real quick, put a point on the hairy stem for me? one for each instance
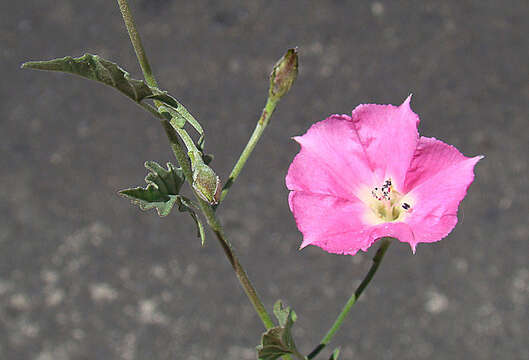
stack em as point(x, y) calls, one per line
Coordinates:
point(377, 259)
point(136, 43)
point(183, 160)
point(256, 135)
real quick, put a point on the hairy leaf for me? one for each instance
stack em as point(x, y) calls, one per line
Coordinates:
point(184, 204)
point(96, 68)
point(282, 313)
point(162, 188)
point(162, 193)
point(278, 341)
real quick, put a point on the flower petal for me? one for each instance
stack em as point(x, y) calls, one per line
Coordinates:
point(331, 160)
point(389, 137)
point(335, 224)
point(437, 180)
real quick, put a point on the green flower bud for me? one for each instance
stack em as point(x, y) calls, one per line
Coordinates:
point(206, 183)
point(284, 73)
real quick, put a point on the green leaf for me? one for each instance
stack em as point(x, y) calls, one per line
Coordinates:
point(169, 181)
point(335, 354)
point(282, 313)
point(177, 114)
point(278, 340)
point(162, 193)
point(150, 198)
point(184, 204)
point(96, 68)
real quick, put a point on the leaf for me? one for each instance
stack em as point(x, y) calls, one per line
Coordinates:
point(184, 204)
point(278, 340)
point(150, 198)
point(96, 68)
point(178, 114)
point(335, 354)
point(162, 193)
point(169, 181)
point(282, 313)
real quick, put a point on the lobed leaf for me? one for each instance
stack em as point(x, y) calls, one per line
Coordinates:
point(282, 313)
point(162, 193)
point(278, 340)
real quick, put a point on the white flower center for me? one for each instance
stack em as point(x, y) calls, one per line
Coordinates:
point(387, 203)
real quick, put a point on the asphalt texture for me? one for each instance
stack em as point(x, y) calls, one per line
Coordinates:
point(85, 275)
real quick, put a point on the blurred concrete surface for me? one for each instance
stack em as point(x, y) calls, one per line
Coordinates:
point(85, 275)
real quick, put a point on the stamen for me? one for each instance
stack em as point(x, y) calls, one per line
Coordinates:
point(388, 205)
point(383, 192)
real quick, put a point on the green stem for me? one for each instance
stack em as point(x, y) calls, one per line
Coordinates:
point(269, 108)
point(354, 297)
point(183, 160)
point(250, 291)
point(215, 225)
point(136, 42)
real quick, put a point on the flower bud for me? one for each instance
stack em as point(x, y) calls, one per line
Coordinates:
point(206, 183)
point(284, 73)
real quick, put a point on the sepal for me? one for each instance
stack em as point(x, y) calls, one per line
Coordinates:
point(284, 74)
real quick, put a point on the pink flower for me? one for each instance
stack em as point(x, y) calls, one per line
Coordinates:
point(363, 177)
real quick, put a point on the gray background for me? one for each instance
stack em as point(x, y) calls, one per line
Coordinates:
point(84, 275)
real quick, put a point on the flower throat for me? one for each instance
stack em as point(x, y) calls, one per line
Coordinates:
point(387, 204)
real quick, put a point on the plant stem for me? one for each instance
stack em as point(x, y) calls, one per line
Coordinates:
point(237, 267)
point(269, 108)
point(183, 160)
point(377, 259)
point(136, 42)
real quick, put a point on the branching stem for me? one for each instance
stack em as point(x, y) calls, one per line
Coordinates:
point(183, 160)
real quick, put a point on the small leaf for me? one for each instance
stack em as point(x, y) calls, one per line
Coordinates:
point(162, 193)
point(150, 198)
point(335, 354)
point(282, 313)
point(170, 180)
point(278, 341)
point(184, 204)
point(177, 114)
